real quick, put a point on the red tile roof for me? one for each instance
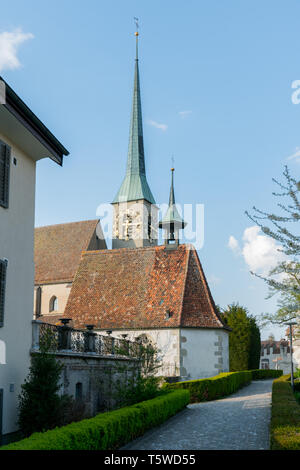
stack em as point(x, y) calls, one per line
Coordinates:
point(136, 288)
point(53, 318)
point(57, 249)
point(275, 345)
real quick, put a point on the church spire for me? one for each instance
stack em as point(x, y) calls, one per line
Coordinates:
point(172, 221)
point(135, 185)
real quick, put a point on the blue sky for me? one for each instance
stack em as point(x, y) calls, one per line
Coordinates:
point(216, 84)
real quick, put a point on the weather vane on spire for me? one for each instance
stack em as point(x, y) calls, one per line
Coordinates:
point(173, 160)
point(136, 20)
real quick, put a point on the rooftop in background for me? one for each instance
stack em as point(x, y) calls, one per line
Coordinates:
point(275, 345)
point(57, 249)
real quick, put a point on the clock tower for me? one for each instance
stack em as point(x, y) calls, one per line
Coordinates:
point(135, 222)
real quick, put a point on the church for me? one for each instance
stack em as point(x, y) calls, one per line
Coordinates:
point(137, 287)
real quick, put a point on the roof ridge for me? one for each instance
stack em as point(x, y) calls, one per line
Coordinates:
point(67, 223)
point(185, 279)
point(207, 289)
point(132, 250)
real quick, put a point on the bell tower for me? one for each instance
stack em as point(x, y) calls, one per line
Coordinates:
point(172, 221)
point(135, 221)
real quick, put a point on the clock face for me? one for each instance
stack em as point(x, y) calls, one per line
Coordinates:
point(131, 224)
point(135, 222)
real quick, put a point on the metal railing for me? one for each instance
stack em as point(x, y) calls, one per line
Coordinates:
point(64, 338)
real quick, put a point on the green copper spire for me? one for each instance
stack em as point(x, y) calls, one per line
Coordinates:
point(135, 185)
point(172, 219)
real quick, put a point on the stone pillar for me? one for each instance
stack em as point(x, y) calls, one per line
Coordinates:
point(89, 343)
point(64, 335)
point(36, 335)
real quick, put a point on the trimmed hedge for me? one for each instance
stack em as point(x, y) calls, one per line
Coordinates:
point(285, 420)
point(258, 374)
point(213, 387)
point(107, 431)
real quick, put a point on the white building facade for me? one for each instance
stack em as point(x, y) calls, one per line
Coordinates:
point(23, 141)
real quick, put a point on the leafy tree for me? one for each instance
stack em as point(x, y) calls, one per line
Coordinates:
point(255, 345)
point(284, 279)
point(244, 339)
point(40, 406)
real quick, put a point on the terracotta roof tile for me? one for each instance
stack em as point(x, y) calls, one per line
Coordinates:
point(52, 318)
point(140, 288)
point(57, 250)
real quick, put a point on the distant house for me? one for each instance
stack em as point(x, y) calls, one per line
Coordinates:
point(57, 253)
point(24, 140)
point(275, 355)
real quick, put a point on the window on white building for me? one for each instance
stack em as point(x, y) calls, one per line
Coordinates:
point(3, 269)
point(4, 174)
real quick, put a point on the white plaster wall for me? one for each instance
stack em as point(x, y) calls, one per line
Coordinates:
point(204, 352)
point(61, 291)
point(167, 341)
point(16, 244)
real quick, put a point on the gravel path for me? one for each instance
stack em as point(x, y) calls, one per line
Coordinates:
point(239, 422)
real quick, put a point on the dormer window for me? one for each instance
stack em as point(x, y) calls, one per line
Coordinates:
point(168, 314)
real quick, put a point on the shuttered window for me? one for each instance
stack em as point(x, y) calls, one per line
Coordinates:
point(4, 174)
point(1, 413)
point(3, 269)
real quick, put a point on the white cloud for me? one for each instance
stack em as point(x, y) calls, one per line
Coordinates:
point(260, 252)
point(163, 127)
point(184, 114)
point(295, 156)
point(9, 44)
point(233, 244)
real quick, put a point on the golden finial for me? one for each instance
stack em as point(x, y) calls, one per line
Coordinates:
point(172, 169)
point(136, 33)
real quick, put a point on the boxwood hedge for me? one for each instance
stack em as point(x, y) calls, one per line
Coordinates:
point(285, 418)
point(107, 431)
point(258, 374)
point(213, 387)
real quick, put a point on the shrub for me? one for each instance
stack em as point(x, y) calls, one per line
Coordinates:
point(213, 387)
point(285, 419)
point(142, 382)
point(297, 373)
point(40, 406)
point(258, 374)
point(109, 430)
point(297, 385)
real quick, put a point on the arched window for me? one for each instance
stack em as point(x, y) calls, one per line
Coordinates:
point(53, 305)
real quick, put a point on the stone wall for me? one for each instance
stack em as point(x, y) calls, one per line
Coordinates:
point(93, 378)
